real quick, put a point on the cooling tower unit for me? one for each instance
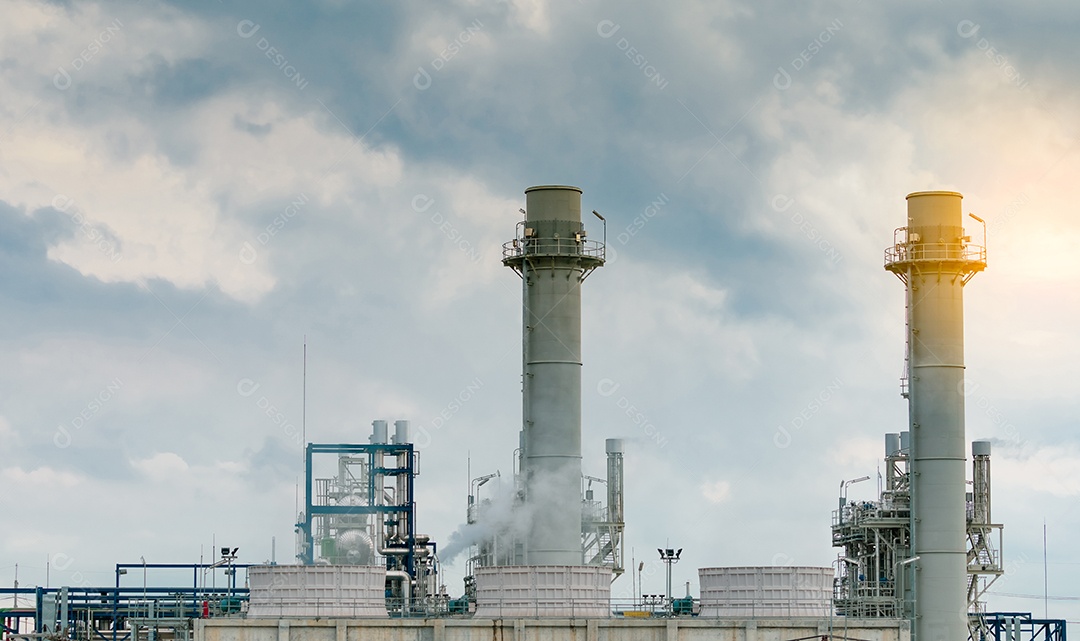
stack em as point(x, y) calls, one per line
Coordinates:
point(543, 591)
point(309, 591)
point(771, 591)
point(935, 259)
point(553, 258)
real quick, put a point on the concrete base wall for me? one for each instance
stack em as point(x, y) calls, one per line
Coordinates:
point(609, 629)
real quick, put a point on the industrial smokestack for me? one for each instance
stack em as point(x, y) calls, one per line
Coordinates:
point(552, 256)
point(934, 259)
point(980, 482)
point(614, 447)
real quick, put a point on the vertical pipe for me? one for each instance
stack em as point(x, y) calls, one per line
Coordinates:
point(667, 593)
point(115, 604)
point(615, 503)
point(410, 489)
point(935, 261)
point(309, 551)
point(62, 596)
point(405, 526)
point(1046, 578)
point(378, 432)
point(402, 432)
point(980, 483)
point(614, 447)
point(892, 451)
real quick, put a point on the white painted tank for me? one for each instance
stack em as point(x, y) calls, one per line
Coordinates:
point(565, 591)
point(768, 591)
point(317, 591)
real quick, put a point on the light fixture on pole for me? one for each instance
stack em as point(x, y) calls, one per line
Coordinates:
point(844, 579)
point(640, 567)
point(143, 559)
point(228, 555)
point(843, 492)
point(669, 556)
point(837, 562)
point(603, 220)
point(899, 586)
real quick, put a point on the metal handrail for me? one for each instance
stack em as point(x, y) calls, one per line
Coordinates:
point(935, 252)
point(520, 247)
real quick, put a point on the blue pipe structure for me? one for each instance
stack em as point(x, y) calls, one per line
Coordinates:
point(115, 604)
point(1002, 624)
point(406, 506)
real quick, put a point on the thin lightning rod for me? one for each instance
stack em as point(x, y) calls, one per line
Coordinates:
point(303, 411)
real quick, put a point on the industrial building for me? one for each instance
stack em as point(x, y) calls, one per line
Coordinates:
point(914, 564)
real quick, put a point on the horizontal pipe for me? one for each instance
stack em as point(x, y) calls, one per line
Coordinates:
point(406, 583)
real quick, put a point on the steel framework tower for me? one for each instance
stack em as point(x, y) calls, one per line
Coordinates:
point(553, 258)
point(935, 259)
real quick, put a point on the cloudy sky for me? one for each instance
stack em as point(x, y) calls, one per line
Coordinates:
point(187, 190)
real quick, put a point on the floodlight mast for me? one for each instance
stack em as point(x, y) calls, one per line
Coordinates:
point(669, 556)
